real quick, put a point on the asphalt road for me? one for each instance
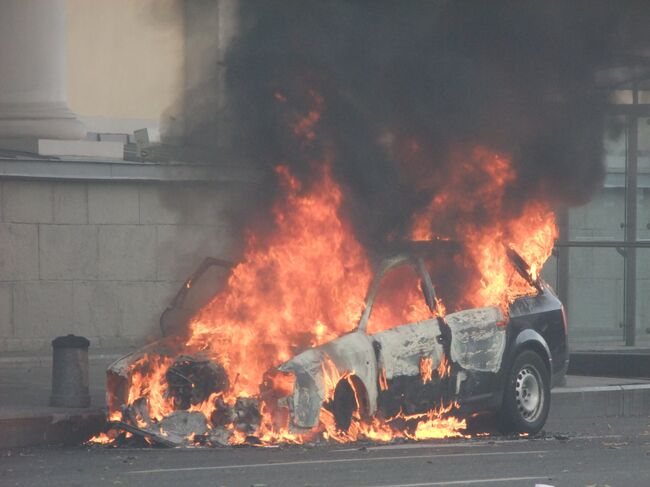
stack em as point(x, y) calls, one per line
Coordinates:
point(613, 452)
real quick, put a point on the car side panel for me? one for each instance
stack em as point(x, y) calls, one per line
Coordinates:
point(351, 353)
point(402, 348)
point(401, 351)
point(535, 322)
point(542, 314)
point(477, 343)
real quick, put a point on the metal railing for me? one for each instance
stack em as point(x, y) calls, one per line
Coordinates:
point(627, 250)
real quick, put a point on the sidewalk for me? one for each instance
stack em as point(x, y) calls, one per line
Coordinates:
point(25, 387)
point(596, 397)
point(25, 418)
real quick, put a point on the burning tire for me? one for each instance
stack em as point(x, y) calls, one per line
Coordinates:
point(527, 396)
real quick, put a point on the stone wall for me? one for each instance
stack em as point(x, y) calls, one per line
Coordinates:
point(102, 259)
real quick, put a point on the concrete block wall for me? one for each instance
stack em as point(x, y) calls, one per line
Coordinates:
point(102, 259)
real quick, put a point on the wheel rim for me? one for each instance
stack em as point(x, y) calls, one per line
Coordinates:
point(529, 393)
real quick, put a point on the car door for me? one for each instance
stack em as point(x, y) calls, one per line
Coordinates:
point(478, 338)
point(405, 335)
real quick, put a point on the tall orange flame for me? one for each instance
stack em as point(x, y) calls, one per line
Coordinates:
point(475, 192)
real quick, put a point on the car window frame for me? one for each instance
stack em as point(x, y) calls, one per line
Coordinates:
point(428, 290)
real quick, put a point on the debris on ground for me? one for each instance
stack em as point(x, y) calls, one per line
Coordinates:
point(182, 425)
point(248, 414)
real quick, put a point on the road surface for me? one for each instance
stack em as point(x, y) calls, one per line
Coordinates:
point(614, 452)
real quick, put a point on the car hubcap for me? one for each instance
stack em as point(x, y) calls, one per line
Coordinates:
point(529, 393)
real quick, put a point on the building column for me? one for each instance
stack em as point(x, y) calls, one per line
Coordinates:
point(33, 71)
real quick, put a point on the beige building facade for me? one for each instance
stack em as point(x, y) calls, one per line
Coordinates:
point(97, 245)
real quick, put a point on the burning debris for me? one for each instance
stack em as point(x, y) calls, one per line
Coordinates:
point(191, 381)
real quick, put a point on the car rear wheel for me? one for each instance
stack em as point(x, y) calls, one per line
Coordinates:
point(350, 401)
point(344, 405)
point(527, 396)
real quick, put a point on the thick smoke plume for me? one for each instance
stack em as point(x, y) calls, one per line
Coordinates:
point(394, 93)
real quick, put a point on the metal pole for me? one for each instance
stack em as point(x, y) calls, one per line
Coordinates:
point(630, 224)
point(563, 258)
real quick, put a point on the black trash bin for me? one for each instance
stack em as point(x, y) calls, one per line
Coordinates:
point(70, 372)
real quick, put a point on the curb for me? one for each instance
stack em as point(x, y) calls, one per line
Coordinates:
point(601, 401)
point(48, 428)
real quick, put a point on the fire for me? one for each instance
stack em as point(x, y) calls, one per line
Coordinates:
point(475, 194)
point(148, 381)
point(301, 286)
point(444, 367)
point(304, 282)
point(426, 369)
point(436, 423)
point(101, 439)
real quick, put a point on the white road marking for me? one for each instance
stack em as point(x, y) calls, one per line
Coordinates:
point(464, 482)
point(598, 437)
point(468, 444)
point(412, 446)
point(338, 460)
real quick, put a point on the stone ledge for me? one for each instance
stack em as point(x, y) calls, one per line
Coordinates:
point(24, 166)
point(54, 147)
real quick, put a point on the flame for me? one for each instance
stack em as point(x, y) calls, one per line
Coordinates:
point(398, 301)
point(435, 423)
point(476, 194)
point(426, 369)
point(147, 379)
point(303, 284)
point(444, 367)
point(101, 439)
point(300, 287)
point(383, 382)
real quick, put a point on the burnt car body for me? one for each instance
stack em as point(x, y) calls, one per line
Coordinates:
point(495, 364)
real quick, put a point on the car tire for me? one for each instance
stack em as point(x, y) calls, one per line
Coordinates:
point(527, 395)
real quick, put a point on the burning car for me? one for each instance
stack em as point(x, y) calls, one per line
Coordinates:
point(406, 362)
point(479, 358)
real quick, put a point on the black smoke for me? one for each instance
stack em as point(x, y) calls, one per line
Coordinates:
point(406, 84)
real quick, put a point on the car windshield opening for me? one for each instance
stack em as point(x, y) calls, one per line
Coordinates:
point(399, 300)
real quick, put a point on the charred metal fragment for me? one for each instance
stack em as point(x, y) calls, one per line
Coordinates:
point(137, 413)
point(143, 433)
point(248, 414)
point(191, 380)
point(181, 425)
point(223, 414)
point(215, 437)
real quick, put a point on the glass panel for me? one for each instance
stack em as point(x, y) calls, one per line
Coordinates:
point(643, 234)
point(595, 307)
point(642, 301)
point(643, 181)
